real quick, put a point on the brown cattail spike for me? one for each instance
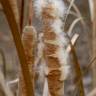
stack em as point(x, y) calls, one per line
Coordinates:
point(29, 43)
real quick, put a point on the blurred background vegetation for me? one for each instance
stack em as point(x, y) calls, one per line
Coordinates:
point(85, 46)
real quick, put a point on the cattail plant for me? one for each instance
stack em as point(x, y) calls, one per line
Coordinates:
point(55, 43)
point(16, 36)
point(29, 43)
point(22, 11)
point(51, 52)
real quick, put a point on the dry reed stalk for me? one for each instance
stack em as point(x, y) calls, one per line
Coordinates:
point(78, 13)
point(78, 73)
point(68, 10)
point(30, 12)
point(91, 8)
point(75, 59)
point(14, 7)
point(79, 78)
point(70, 30)
point(87, 69)
point(73, 41)
point(73, 13)
point(29, 43)
point(17, 39)
point(21, 15)
point(26, 13)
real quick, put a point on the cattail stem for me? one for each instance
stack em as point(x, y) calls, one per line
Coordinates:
point(17, 39)
point(30, 12)
point(14, 7)
point(29, 44)
point(21, 15)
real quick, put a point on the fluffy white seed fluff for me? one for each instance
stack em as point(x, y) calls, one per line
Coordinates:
point(38, 4)
point(41, 71)
point(40, 64)
point(58, 10)
point(57, 26)
point(40, 46)
point(62, 42)
point(58, 6)
point(46, 89)
point(63, 56)
point(64, 72)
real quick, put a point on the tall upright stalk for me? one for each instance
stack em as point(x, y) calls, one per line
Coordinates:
point(15, 9)
point(17, 39)
point(21, 19)
point(29, 43)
